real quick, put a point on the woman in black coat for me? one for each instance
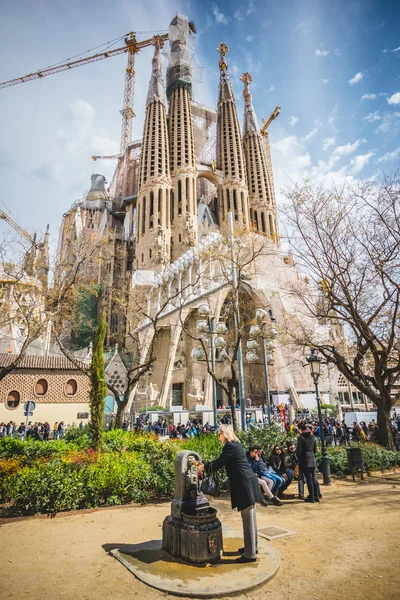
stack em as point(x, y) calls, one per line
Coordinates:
point(306, 450)
point(245, 491)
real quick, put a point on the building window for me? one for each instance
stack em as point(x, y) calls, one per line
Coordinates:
point(13, 400)
point(179, 197)
point(41, 387)
point(172, 206)
point(180, 237)
point(114, 323)
point(144, 215)
point(263, 222)
point(71, 387)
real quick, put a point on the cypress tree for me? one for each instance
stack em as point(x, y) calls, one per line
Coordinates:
point(98, 388)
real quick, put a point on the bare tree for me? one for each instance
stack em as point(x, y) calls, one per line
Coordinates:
point(234, 262)
point(348, 244)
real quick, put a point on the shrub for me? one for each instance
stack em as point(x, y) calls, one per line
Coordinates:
point(47, 488)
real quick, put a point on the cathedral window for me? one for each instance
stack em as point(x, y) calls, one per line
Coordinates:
point(263, 222)
point(172, 206)
point(144, 215)
point(256, 219)
point(179, 197)
point(271, 225)
point(151, 210)
point(228, 200)
point(150, 253)
point(159, 199)
point(187, 195)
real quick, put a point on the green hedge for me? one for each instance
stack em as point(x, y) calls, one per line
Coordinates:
point(61, 475)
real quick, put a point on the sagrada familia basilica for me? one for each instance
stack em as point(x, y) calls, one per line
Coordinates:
point(195, 186)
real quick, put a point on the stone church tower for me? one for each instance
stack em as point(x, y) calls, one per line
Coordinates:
point(181, 139)
point(263, 213)
point(153, 233)
point(233, 193)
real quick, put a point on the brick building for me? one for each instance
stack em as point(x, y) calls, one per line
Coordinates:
point(59, 389)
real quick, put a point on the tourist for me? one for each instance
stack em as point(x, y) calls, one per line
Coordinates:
point(276, 461)
point(46, 431)
point(265, 484)
point(268, 472)
point(61, 429)
point(290, 462)
point(244, 488)
point(55, 431)
point(305, 451)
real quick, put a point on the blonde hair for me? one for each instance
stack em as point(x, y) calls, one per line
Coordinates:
point(228, 433)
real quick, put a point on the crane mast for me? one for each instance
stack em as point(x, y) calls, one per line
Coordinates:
point(263, 131)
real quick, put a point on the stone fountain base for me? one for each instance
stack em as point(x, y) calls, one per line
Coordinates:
point(155, 567)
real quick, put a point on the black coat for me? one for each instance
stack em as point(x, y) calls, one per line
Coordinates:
point(306, 449)
point(245, 490)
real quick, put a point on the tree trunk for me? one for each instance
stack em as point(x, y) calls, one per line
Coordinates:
point(385, 432)
point(121, 405)
point(232, 402)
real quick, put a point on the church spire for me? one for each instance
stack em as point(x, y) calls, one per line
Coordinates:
point(263, 214)
point(153, 233)
point(232, 194)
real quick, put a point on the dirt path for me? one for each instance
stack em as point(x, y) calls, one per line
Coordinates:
point(348, 546)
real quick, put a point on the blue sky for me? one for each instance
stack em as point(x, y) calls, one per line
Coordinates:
point(333, 67)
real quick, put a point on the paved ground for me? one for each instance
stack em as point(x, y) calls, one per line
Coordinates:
point(346, 547)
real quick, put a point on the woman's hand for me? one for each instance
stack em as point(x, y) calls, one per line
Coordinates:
point(200, 469)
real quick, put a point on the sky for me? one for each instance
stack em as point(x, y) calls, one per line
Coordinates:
point(333, 67)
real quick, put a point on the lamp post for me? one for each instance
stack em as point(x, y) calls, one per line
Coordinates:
point(149, 373)
point(267, 335)
point(207, 326)
point(236, 316)
point(315, 368)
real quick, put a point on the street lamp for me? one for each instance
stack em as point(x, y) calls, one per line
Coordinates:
point(206, 326)
point(267, 335)
point(149, 373)
point(315, 368)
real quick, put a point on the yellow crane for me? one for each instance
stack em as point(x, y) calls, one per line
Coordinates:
point(272, 117)
point(31, 239)
point(132, 47)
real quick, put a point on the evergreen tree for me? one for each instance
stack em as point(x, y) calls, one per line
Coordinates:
point(98, 388)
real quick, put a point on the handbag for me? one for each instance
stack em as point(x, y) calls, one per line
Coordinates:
point(210, 485)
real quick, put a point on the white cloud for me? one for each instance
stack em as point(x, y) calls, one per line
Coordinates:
point(394, 50)
point(293, 120)
point(357, 77)
point(328, 142)
point(389, 156)
point(104, 145)
point(359, 162)
point(77, 121)
point(347, 148)
point(271, 88)
point(266, 23)
point(325, 81)
point(389, 123)
point(372, 117)
point(249, 38)
point(238, 15)
point(337, 52)
point(310, 135)
point(369, 97)
point(251, 8)
point(219, 16)
point(321, 52)
point(332, 116)
point(302, 27)
point(395, 99)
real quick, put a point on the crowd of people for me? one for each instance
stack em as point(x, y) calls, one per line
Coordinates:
point(35, 431)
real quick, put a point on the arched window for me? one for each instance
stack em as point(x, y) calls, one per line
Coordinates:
point(13, 400)
point(41, 387)
point(263, 222)
point(144, 215)
point(179, 197)
point(71, 387)
point(172, 207)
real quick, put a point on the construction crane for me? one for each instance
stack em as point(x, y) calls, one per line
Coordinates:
point(31, 239)
point(132, 47)
point(272, 117)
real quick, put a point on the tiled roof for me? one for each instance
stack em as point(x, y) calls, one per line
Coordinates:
point(52, 363)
